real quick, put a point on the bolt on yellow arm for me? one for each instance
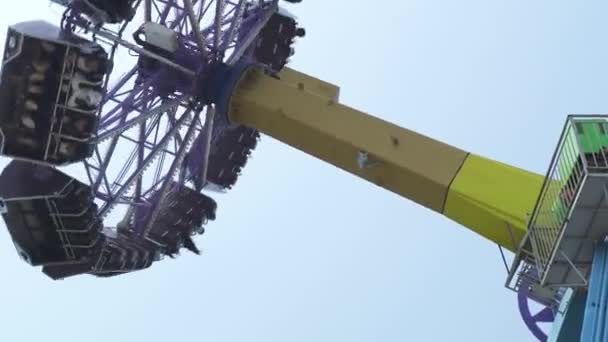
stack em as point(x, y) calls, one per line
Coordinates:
point(486, 196)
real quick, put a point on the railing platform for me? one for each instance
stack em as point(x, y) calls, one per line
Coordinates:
point(586, 225)
point(570, 216)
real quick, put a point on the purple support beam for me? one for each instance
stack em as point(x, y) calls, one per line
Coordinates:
point(236, 22)
point(532, 321)
point(194, 21)
point(106, 161)
point(207, 134)
point(141, 118)
point(219, 12)
point(144, 144)
point(177, 162)
point(149, 158)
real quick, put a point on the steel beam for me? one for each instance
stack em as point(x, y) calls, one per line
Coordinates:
point(486, 196)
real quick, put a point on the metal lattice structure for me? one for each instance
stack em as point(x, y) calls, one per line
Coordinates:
point(141, 147)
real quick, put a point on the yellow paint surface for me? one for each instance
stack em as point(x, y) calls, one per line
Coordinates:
point(311, 84)
point(400, 160)
point(483, 195)
point(488, 197)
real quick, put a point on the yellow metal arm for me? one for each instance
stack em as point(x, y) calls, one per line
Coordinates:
point(485, 196)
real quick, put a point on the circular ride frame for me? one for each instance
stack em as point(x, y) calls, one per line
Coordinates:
point(163, 118)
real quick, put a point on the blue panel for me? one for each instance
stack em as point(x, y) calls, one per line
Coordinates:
point(569, 318)
point(596, 320)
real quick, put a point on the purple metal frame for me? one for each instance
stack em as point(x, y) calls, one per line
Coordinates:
point(144, 102)
point(151, 131)
point(532, 321)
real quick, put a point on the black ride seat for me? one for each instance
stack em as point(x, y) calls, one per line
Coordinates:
point(110, 11)
point(182, 214)
point(51, 217)
point(50, 92)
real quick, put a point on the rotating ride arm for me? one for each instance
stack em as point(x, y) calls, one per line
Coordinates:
point(486, 196)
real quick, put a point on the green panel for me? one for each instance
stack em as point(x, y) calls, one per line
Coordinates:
point(591, 134)
point(582, 138)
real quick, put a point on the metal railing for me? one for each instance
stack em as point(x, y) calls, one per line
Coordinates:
point(580, 151)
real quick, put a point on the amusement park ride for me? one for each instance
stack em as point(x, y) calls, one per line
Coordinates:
point(110, 173)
